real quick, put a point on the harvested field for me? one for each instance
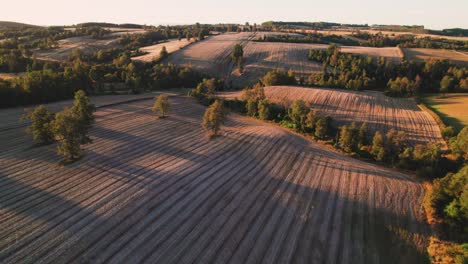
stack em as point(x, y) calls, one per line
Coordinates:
point(153, 51)
point(380, 112)
point(158, 191)
point(453, 56)
point(85, 44)
point(390, 53)
point(10, 117)
point(211, 55)
point(262, 57)
point(452, 108)
point(345, 33)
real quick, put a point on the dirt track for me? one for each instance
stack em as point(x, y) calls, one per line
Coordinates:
point(380, 112)
point(158, 191)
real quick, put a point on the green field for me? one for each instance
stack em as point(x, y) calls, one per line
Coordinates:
point(452, 108)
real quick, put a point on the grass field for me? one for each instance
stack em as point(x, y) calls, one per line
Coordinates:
point(452, 108)
point(457, 57)
point(155, 190)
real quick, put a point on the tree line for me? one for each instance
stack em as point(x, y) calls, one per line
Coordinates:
point(403, 79)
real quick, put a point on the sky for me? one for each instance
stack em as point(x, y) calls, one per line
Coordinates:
point(433, 14)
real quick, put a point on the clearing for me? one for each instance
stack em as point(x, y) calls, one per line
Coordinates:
point(159, 191)
point(380, 112)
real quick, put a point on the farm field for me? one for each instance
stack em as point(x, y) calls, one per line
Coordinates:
point(85, 44)
point(345, 33)
point(10, 117)
point(453, 56)
point(154, 50)
point(262, 57)
point(159, 191)
point(380, 112)
point(452, 108)
point(213, 56)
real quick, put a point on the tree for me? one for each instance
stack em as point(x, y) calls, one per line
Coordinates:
point(84, 111)
point(163, 53)
point(459, 144)
point(277, 77)
point(214, 117)
point(448, 132)
point(348, 140)
point(263, 109)
point(208, 86)
point(448, 201)
point(251, 107)
point(297, 113)
point(237, 55)
point(395, 143)
point(257, 92)
point(378, 148)
point(310, 121)
point(446, 84)
point(40, 128)
point(321, 127)
point(66, 127)
point(161, 105)
point(362, 135)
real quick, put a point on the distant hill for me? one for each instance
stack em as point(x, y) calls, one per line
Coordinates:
point(14, 25)
point(110, 25)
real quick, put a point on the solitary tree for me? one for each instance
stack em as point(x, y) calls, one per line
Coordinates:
point(161, 105)
point(163, 53)
point(237, 55)
point(214, 117)
point(40, 127)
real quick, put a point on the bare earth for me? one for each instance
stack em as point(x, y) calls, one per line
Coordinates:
point(457, 57)
point(154, 50)
point(159, 191)
point(380, 112)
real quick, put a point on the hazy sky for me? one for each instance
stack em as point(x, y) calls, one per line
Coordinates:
point(436, 14)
